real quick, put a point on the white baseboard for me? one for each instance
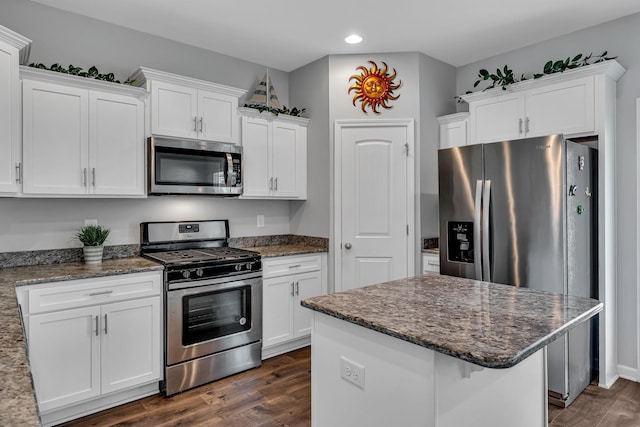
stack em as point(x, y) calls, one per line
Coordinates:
point(610, 383)
point(276, 350)
point(628, 373)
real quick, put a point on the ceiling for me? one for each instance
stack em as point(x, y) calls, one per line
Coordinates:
point(287, 34)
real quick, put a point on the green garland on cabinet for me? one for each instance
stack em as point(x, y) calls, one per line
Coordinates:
point(91, 73)
point(504, 77)
point(295, 111)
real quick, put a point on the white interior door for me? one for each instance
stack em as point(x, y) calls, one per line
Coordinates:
point(374, 186)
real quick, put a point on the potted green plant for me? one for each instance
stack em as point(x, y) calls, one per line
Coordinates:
point(93, 238)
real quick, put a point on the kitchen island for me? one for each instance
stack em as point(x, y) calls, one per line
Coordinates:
point(436, 350)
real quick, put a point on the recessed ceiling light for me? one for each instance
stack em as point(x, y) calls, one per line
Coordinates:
point(353, 39)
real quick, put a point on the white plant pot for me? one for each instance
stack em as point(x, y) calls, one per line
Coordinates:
point(92, 254)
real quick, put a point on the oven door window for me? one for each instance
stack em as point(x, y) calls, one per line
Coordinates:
point(196, 168)
point(213, 315)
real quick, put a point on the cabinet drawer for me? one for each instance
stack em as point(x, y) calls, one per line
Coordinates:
point(85, 292)
point(274, 267)
point(430, 263)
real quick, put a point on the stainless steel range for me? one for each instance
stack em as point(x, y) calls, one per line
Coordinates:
point(213, 304)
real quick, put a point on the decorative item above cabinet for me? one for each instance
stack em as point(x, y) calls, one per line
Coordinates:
point(559, 103)
point(184, 107)
point(81, 137)
point(274, 152)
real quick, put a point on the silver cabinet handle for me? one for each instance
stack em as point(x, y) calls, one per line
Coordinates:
point(18, 172)
point(347, 245)
point(105, 324)
point(201, 125)
point(84, 177)
point(93, 177)
point(275, 184)
point(292, 289)
point(195, 124)
point(295, 266)
point(97, 327)
point(526, 125)
point(520, 126)
point(271, 183)
point(298, 288)
point(93, 294)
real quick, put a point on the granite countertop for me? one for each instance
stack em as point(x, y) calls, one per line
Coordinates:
point(491, 325)
point(17, 398)
point(284, 250)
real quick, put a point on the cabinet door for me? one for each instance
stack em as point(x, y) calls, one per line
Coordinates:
point(566, 108)
point(131, 349)
point(306, 285)
point(496, 119)
point(9, 119)
point(453, 134)
point(64, 352)
point(256, 142)
point(174, 110)
point(277, 310)
point(55, 135)
point(116, 144)
point(219, 117)
point(287, 159)
point(430, 263)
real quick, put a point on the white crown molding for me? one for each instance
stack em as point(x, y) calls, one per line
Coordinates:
point(451, 118)
point(81, 82)
point(144, 74)
point(610, 68)
point(20, 42)
point(252, 112)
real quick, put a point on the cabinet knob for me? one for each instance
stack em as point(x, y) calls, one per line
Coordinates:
point(347, 245)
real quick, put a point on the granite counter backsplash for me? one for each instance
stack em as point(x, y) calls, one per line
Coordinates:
point(17, 399)
point(58, 256)
point(281, 245)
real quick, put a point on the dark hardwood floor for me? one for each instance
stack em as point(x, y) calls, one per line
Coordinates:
point(279, 394)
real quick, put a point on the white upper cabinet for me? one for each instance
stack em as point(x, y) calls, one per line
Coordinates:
point(559, 103)
point(14, 50)
point(81, 136)
point(453, 130)
point(183, 107)
point(274, 153)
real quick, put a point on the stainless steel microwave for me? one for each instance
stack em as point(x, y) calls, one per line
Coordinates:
point(189, 166)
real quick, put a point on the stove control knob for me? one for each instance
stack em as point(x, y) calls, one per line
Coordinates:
point(186, 274)
point(238, 267)
point(199, 272)
point(248, 266)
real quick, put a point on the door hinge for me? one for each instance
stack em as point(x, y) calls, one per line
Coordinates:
point(406, 149)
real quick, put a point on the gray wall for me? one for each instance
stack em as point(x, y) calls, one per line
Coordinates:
point(58, 36)
point(309, 87)
point(620, 38)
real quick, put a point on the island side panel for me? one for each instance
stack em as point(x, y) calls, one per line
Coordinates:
point(409, 385)
point(398, 378)
point(510, 397)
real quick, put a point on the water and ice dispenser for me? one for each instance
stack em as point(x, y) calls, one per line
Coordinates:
point(460, 241)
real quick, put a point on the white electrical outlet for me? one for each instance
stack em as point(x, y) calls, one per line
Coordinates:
point(90, 222)
point(352, 372)
point(260, 221)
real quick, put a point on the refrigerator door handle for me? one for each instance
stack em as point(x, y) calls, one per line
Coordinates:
point(486, 201)
point(476, 231)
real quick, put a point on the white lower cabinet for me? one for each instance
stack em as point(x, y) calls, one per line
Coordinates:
point(91, 340)
point(286, 325)
point(430, 263)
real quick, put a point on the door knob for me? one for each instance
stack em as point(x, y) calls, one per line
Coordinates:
point(347, 245)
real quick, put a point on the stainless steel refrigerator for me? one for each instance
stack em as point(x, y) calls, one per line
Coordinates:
point(523, 213)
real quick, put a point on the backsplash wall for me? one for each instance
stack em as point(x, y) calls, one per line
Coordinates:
point(35, 224)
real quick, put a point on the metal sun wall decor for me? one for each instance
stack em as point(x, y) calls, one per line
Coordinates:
point(374, 87)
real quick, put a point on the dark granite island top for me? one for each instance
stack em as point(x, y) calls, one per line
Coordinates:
point(491, 325)
point(17, 399)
